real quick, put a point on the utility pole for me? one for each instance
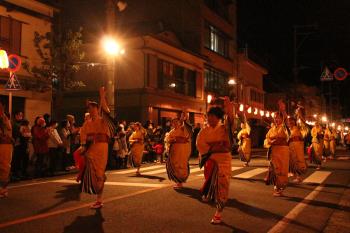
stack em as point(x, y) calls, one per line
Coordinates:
point(110, 26)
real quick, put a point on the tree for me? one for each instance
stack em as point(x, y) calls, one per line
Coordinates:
point(60, 57)
point(61, 54)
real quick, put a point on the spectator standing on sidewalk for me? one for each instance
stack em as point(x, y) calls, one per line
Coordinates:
point(25, 138)
point(18, 155)
point(75, 134)
point(65, 134)
point(40, 136)
point(54, 144)
point(120, 148)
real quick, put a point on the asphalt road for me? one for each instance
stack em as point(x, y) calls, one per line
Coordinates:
point(150, 204)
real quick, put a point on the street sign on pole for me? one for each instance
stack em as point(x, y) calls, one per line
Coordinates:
point(326, 75)
point(12, 83)
point(340, 74)
point(14, 63)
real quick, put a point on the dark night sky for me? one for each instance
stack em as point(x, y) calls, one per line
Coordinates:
point(267, 27)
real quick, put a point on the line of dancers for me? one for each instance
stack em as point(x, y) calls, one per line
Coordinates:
point(285, 143)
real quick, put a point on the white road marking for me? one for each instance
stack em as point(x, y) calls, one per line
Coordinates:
point(282, 224)
point(233, 169)
point(197, 169)
point(317, 177)
point(148, 185)
point(29, 184)
point(132, 170)
point(251, 173)
point(236, 168)
point(154, 172)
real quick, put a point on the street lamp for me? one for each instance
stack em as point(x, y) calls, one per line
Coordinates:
point(112, 47)
point(209, 98)
point(324, 119)
point(232, 82)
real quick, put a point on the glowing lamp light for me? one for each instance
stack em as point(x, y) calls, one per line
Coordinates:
point(241, 107)
point(346, 128)
point(333, 124)
point(255, 111)
point(262, 113)
point(111, 46)
point(267, 114)
point(231, 82)
point(315, 115)
point(172, 85)
point(4, 62)
point(339, 127)
point(249, 110)
point(209, 99)
point(273, 115)
point(324, 119)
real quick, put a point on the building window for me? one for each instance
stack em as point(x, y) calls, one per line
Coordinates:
point(215, 81)
point(256, 96)
point(215, 40)
point(176, 78)
point(10, 35)
point(219, 7)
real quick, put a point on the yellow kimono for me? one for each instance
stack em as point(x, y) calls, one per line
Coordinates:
point(137, 147)
point(277, 141)
point(297, 163)
point(329, 142)
point(179, 153)
point(326, 142)
point(95, 135)
point(332, 142)
point(245, 142)
point(6, 149)
point(317, 145)
point(217, 170)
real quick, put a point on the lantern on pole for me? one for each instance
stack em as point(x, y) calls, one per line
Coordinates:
point(4, 62)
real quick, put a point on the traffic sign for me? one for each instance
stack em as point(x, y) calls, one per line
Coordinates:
point(340, 74)
point(12, 83)
point(14, 63)
point(326, 75)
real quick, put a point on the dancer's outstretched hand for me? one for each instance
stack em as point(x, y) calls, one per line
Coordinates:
point(102, 92)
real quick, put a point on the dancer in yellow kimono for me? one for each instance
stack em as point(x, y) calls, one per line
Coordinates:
point(6, 149)
point(214, 146)
point(329, 143)
point(137, 146)
point(298, 132)
point(317, 134)
point(277, 143)
point(243, 136)
point(94, 136)
point(179, 138)
point(326, 143)
point(332, 142)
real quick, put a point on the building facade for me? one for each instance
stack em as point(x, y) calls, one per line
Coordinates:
point(19, 20)
point(177, 52)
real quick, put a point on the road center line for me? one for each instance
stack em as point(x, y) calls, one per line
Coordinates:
point(283, 223)
point(148, 185)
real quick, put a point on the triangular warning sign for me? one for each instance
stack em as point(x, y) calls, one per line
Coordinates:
point(326, 75)
point(12, 83)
